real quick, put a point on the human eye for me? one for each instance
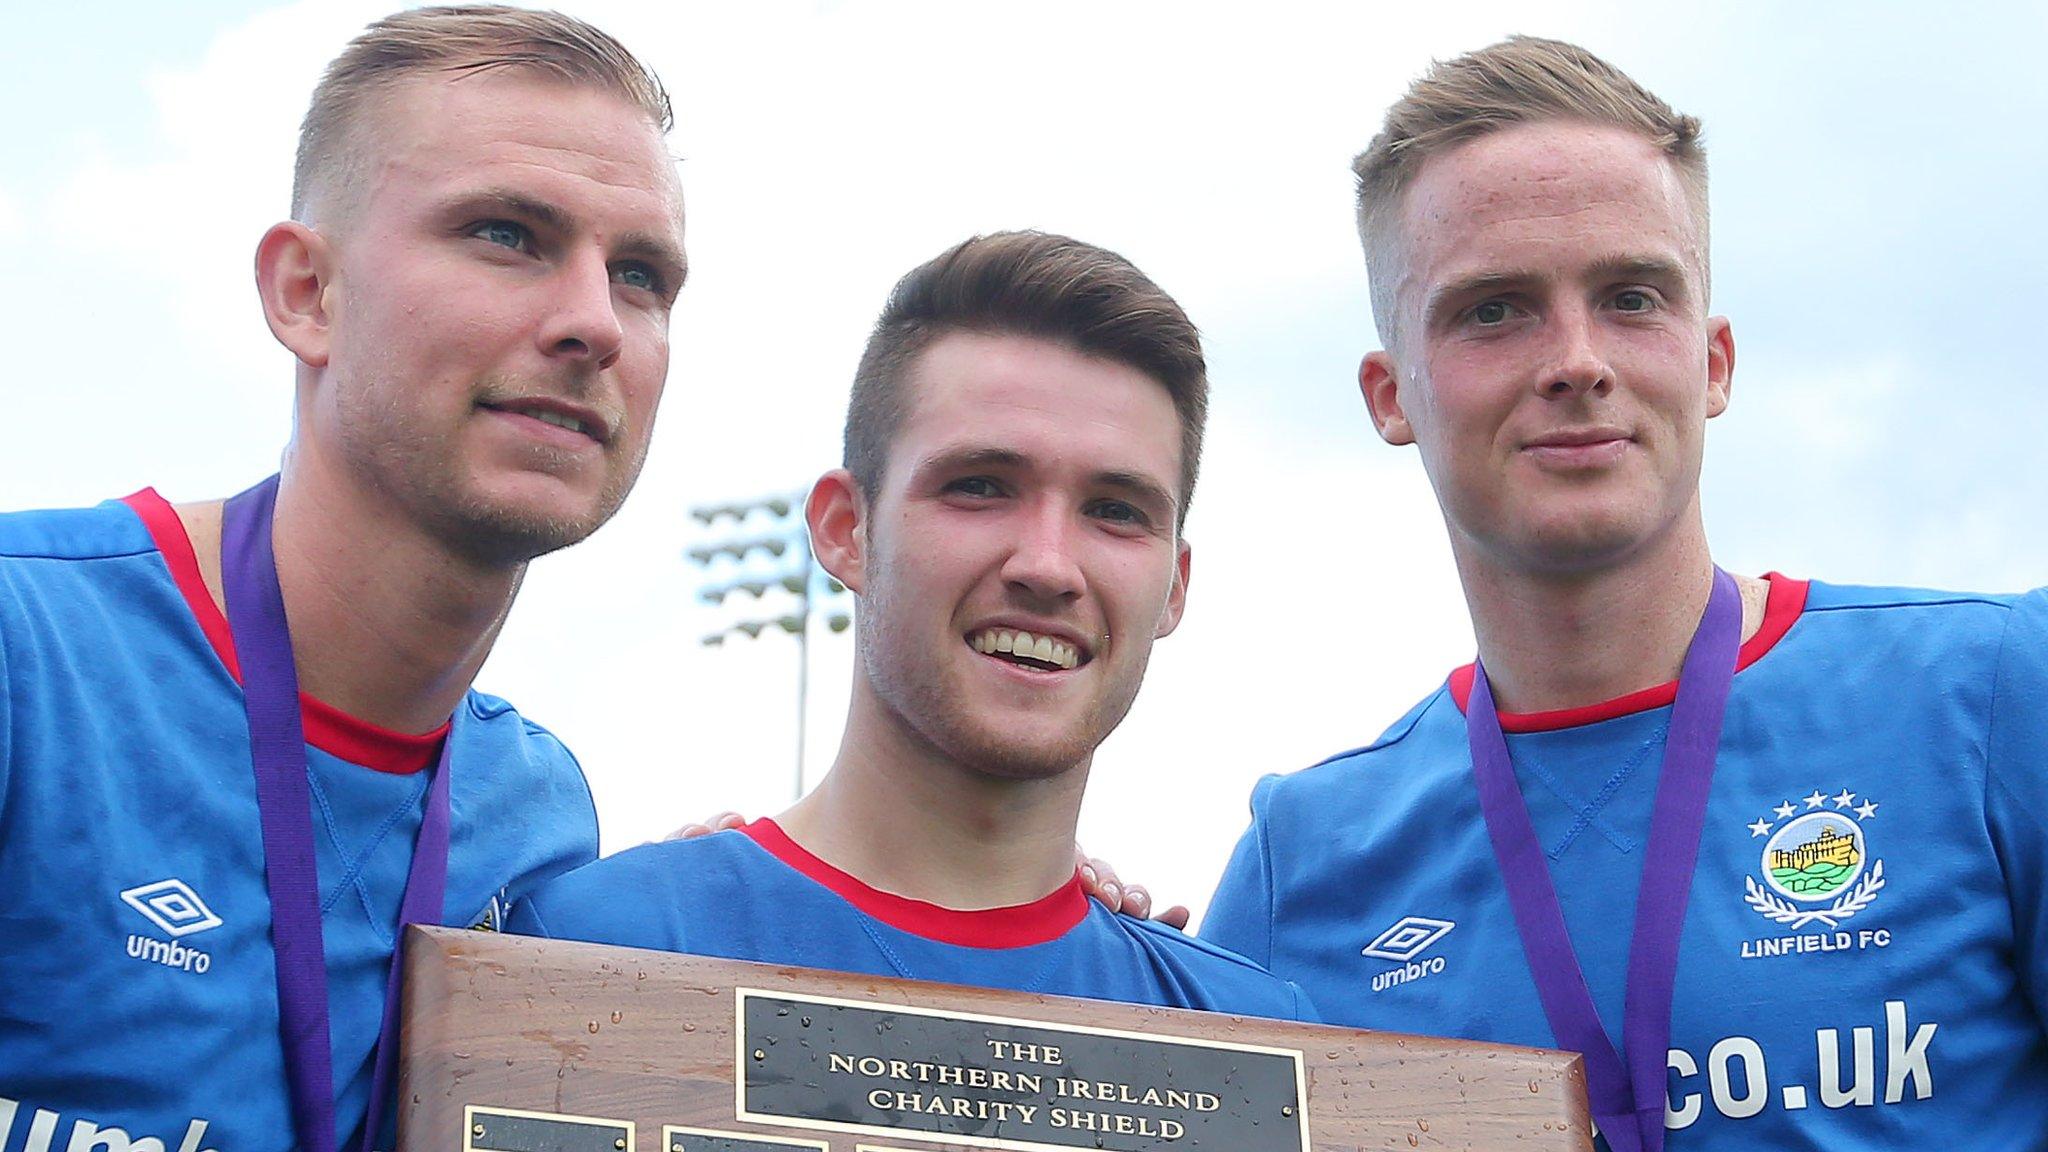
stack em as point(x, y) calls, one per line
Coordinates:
point(1120, 514)
point(1491, 313)
point(1634, 300)
point(641, 276)
point(974, 488)
point(503, 233)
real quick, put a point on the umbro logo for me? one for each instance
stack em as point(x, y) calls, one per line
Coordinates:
point(1407, 938)
point(175, 908)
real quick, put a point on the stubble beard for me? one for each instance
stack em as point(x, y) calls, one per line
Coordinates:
point(915, 695)
point(421, 471)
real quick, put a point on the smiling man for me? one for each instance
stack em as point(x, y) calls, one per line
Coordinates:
point(238, 744)
point(1770, 853)
point(1020, 449)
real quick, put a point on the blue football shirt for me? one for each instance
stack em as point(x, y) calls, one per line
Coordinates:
point(1864, 962)
point(137, 985)
point(755, 894)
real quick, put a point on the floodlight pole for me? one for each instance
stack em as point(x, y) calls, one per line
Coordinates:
point(801, 583)
point(803, 662)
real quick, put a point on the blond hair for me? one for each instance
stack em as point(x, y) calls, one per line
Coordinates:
point(1521, 80)
point(453, 41)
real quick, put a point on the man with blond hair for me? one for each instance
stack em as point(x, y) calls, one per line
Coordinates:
point(1768, 852)
point(238, 744)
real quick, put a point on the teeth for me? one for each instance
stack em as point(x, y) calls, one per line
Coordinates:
point(558, 420)
point(1043, 649)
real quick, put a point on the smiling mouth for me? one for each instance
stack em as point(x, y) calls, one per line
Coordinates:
point(1026, 650)
point(548, 416)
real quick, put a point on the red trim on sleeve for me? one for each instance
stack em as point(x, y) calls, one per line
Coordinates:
point(1782, 606)
point(327, 728)
point(1018, 926)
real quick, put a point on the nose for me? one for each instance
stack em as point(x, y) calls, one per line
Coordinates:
point(1041, 564)
point(1577, 366)
point(583, 323)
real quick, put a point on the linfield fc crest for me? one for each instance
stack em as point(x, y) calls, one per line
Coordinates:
point(1814, 861)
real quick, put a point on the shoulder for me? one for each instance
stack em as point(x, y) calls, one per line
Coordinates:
point(1407, 751)
point(643, 869)
point(1927, 624)
point(1823, 599)
point(80, 578)
point(490, 729)
point(1224, 981)
point(1194, 948)
point(515, 780)
point(650, 895)
point(105, 531)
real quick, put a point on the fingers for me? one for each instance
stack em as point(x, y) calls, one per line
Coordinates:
point(1137, 902)
point(1098, 879)
point(724, 821)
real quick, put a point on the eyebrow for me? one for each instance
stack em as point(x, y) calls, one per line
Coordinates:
point(1141, 488)
point(1662, 269)
point(649, 246)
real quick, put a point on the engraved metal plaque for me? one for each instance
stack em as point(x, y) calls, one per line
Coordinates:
point(675, 1138)
point(511, 1130)
point(885, 1069)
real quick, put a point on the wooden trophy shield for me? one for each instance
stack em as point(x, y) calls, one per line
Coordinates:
point(514, 1044)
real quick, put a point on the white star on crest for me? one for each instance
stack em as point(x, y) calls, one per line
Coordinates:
point(1760, 828)
point(1785, 810)
point(1866, 810)
point(1816, 800)
point(1845, 799)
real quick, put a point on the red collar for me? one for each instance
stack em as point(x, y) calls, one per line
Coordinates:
point(1781, 609)
point(1017, 926)
point(327, 728)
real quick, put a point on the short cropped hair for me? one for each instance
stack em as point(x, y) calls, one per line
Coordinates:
point(1521, 80)
point(453, 41)
point(1027, 284)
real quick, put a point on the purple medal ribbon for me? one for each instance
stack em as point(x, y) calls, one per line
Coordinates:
point(277, 744)
point(1627, 1105)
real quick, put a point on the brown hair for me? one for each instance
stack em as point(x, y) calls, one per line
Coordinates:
point(1521, 80)
point(1028, 284)
point(454, 41)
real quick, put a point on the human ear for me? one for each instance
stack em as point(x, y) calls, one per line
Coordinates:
point(294, 269)
point(1177, 596)
point(1382, 391)
point(836, 515)
point(1720, 365)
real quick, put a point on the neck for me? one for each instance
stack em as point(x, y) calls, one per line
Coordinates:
point(903, 818)
point(386, 625)
point(1566, 640)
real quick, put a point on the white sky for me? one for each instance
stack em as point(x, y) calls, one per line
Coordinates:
point(1877, 203)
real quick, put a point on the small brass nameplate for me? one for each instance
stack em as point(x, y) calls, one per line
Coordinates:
point(675, 1138)
point(511, 1130)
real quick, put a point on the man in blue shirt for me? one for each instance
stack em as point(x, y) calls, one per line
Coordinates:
point(1020, 449)
point(1830, 799)
point(485, 243)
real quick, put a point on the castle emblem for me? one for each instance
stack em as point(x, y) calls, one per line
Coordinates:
point(1815, 862)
